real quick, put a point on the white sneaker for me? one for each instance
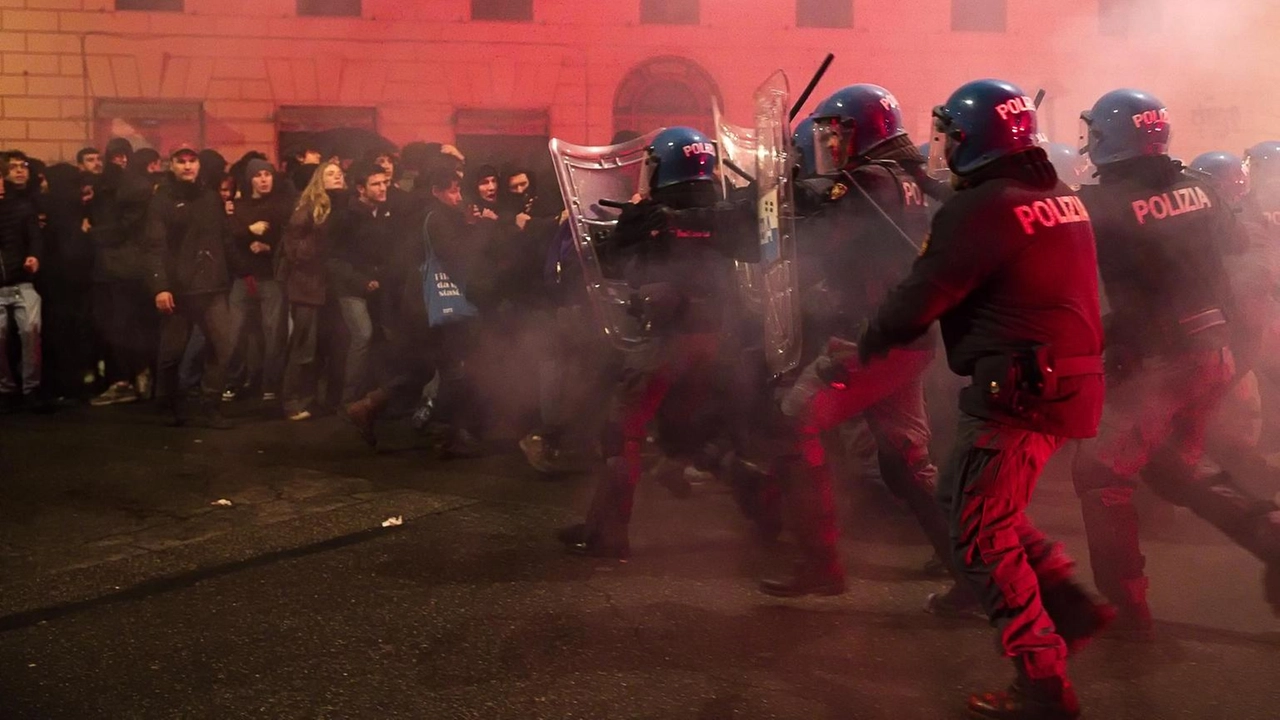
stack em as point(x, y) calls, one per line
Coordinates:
point(228, 395)
point(300, 416)
point(268, 397)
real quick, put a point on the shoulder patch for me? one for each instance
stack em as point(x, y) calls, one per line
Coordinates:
point(924, 245)
point(837, 191)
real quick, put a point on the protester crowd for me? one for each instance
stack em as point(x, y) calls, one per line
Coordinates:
point(294, 291)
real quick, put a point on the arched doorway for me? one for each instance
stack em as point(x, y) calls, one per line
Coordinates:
point(662, 92)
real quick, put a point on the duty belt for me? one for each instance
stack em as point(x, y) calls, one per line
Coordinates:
point(1082, 365)
point(1201, 321)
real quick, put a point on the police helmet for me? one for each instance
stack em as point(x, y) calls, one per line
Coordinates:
point(983, 121)
point(1073, 168)
point(802, 140)
point(1226, 172)
point(1124, 124)
point(852, 122)
point(1263, 161)
point(680, 155)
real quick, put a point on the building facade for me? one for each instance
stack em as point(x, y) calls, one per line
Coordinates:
point(238, 75)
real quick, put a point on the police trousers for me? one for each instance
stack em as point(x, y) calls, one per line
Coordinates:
point(647, 378)
point(1153, 426)
point(984, 491)
point(889, 393)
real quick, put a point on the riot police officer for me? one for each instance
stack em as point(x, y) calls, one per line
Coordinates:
point(675, 248)
point(1263, 200)
point(1009, 270)
point(860, 242)
point(1072, 167)
point(1234, 434)
point(1162, 236)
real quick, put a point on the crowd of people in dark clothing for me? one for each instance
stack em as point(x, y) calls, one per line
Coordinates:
point(296, 290)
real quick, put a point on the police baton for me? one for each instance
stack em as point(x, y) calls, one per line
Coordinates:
point(883, 215)
point(813, 83)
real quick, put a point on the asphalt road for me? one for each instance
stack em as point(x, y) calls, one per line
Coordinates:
point(125, 594)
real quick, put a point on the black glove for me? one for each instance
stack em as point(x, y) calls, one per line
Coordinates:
point(872, 344)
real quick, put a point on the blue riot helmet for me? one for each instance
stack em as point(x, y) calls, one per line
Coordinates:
point(1263, 162)
point(1226, 172)
point(983, 121)
point(851, 123)
point(1073, 168)
point(679, 155)
point(802, 140)
point(1124, 124)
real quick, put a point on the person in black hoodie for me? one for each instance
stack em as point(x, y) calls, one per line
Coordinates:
point(66, 283)
point(123, 311)
point(257, 230)
point(1010, 272)
point(186, 242)
point(20, 253)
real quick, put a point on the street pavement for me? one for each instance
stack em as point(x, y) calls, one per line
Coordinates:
point(126, 592)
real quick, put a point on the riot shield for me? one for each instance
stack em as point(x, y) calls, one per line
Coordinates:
point(775, 213)
point(587, 176)
point(737, 145)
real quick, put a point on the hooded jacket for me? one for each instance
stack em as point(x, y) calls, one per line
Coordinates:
point(186, 240)
point(19, 239)
point(117, 220)
point(275, 209)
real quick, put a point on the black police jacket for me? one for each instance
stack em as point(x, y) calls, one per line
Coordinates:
point(857, 245)
point(1009, 267)
point(1162, 234)
point(681, 261)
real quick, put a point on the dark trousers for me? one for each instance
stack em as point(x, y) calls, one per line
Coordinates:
point(124, 317)
point(456, 403)
point(265, 298)
point(1154, 428)
point(209, 312)
point(302, 373)
point(984, 491)
point(889, 393)
point(67, 338)
point(648, 376)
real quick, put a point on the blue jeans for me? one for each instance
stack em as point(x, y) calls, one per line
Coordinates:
point(270, 302)
point(355, 314)
point(22, 303)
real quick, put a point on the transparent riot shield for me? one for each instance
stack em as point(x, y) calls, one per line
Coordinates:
point(589, 177)
point(775, 213)
point(737, 145)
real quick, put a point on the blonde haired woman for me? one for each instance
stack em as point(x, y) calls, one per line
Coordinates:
point(302, 270)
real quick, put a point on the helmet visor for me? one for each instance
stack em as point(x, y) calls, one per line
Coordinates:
point(1083, 136)
point(939, 143)
point(832, 139)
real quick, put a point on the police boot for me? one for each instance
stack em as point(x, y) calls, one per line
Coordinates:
point(1028, 699)
point(1133, 620)
point(819, 571)
point(1253, 524)
point(958, 603)
point(758, 496)
point(604, 534)
point(1076, 615)
point(363, 414)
